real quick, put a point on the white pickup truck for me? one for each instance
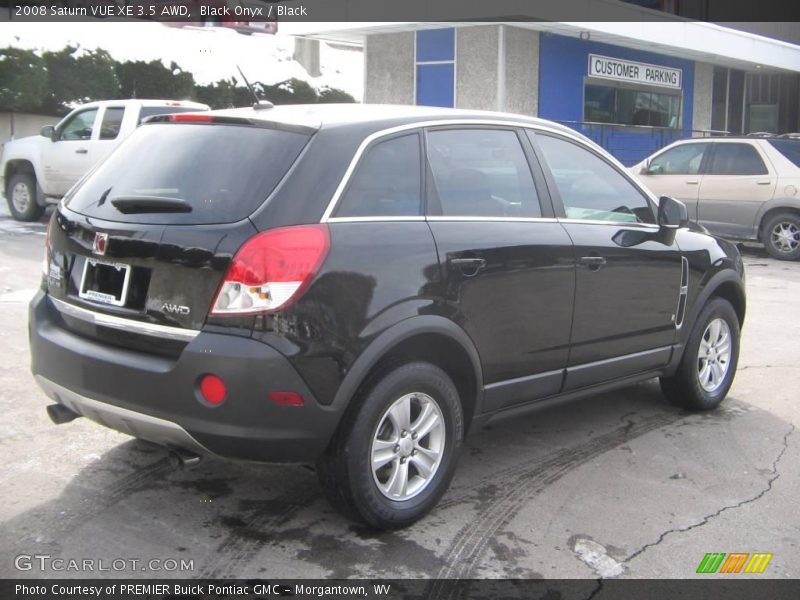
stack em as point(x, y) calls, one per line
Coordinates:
point(39, 169)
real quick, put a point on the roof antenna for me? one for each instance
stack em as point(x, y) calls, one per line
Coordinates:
point(258, 104)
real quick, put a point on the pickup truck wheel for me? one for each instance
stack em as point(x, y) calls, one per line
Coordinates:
point(21, 196)
point(708, 365)
point(396, 451)
point(781, 236)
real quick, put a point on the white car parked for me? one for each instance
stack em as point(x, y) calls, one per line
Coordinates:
point(39, 169)
point(743, 188)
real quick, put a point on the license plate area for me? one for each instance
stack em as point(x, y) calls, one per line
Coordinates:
point(105, 282)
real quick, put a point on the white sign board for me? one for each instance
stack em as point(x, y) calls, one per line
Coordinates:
point(606, 67)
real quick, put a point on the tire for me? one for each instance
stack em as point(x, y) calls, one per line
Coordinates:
point(21, 194)
point(697, 384)
point(345, 472)
point(781, 236)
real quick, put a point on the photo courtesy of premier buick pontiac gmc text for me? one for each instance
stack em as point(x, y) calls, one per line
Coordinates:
point(358, 287)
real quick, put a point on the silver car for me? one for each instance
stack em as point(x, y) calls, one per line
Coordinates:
point(739, 188)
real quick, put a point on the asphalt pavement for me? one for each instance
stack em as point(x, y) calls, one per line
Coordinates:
point(617, 485)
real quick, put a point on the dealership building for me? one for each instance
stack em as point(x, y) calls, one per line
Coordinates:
point(631, 86)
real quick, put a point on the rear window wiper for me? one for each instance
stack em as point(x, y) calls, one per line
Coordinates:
point(150, 204)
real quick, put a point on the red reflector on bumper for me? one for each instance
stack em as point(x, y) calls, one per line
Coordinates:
point(213, 389)
point(286, 398)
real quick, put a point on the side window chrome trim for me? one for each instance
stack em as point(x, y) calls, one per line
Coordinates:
point(337, 194)
point(494, 219)
point(652, 226)
point(373, 219)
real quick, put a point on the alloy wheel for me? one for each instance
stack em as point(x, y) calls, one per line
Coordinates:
point(785, 237)
point(20, 197)
point(714, 355)
point(408, 446)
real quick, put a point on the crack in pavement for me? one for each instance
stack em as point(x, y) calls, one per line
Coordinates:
point(707, 518)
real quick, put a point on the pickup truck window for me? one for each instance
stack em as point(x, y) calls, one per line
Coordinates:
point(112, 121)
point(79, 126)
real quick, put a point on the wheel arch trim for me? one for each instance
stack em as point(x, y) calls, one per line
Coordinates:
point(391, 338)
point(728, 278)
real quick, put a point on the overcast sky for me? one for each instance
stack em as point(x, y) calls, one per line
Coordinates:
point(209, 53)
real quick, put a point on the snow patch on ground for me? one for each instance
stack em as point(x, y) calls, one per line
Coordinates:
point(209, 53)
point(596, 556)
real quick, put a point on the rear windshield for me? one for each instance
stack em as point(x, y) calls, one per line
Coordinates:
point(214, 173)
point(789, 148)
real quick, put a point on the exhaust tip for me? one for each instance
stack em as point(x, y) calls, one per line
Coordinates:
point(60, 414)
point(184, 459)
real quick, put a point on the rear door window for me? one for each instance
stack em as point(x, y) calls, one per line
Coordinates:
point(387, 182)
point(481, 173)
point(736, 159)
point(220, 173)
point(111, 123)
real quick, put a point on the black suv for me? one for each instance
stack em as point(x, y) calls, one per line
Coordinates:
point(359, 286)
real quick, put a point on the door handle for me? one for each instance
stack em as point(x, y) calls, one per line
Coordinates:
point(593, 262)
point(693, 182)
point(81, 151)
point(763, 182)
point(468, 266)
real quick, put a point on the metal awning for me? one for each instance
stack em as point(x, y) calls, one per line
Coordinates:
point(692, 40)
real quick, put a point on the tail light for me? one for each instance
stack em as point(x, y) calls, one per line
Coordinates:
point(271, 270)
point(46, 259)
point(189, 118)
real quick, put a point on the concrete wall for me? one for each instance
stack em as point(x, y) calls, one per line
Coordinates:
point(17, 125)
point(389, 68)
point(476, 67)
point(703, 89)
point(522, 71)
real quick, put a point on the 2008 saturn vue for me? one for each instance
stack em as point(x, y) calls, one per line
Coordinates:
point(360, 286)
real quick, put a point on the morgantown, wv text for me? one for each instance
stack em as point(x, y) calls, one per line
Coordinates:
point(133, 590)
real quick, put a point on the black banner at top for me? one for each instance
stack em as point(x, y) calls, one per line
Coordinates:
point(393, 11)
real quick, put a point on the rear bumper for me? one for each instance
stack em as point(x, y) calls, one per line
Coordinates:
point(157, 399)
point(140, 425)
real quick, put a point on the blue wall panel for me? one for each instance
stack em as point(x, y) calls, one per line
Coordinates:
point(436, 44)
point(435, 85)
point(563, 64)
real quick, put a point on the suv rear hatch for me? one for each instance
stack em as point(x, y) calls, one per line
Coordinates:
point(148, 236)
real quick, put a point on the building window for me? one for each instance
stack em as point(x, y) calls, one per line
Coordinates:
point(435, 67)
point(727, 100)
point(623, 105)
point(763, 97)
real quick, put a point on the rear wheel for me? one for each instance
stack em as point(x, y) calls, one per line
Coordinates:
point(21, 196)
point(396, 451)
point(781, 236)
point(709, 361)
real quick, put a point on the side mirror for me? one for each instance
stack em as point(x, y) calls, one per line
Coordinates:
point(672, 214)
point(48, 131)
point(652, 170)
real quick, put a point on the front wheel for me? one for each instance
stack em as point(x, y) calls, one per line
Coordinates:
point(21, 195)
point(781, 236)
point(708, 365)
point(396, 450)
